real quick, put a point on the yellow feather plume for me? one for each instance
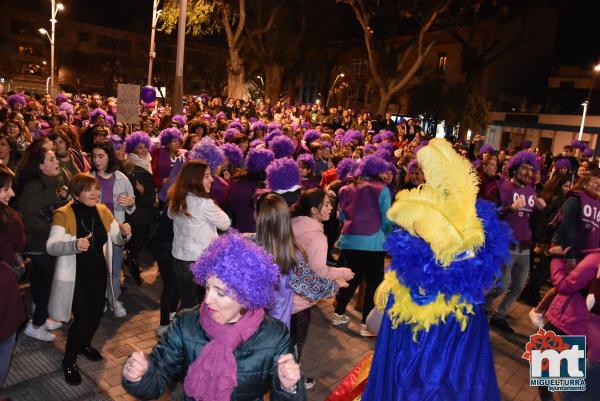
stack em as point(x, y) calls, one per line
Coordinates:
point(442, 211)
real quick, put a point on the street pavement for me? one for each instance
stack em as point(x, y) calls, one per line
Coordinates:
point(329, 353)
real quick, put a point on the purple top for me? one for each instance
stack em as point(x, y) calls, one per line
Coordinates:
point(518, 220)
point(588, 233)
point(242, 191)
point(360, 204)
point(106, 190)
point(219, 191)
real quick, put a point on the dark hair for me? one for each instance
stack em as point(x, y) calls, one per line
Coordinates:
point(107, 147)
point(11, 142)
point(554, 187)
point(309, 199)
point(189, 180)
point(80, 182)
point(54, 135)
point(29, 166)
point(6, 179)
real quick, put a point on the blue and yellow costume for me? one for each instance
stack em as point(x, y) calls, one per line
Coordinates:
point(434, 341)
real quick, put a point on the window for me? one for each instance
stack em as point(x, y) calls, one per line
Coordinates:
point(115, 44)
point(441, 64)
point(25, 51)
point(566, 84)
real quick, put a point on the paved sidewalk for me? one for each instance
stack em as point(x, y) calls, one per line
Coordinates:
point(329, 354)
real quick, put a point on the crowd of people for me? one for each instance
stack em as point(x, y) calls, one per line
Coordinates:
point(254, 212)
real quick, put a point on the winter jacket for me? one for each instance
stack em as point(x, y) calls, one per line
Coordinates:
point(184, 341)
point(61, 243)
point(121, 186)
point(193, 233)
point(568, 310)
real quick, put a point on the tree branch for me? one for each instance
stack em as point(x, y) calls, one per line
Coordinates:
point(268, 25)
point(241, 22)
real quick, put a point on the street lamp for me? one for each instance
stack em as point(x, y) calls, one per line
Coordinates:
point(340, 75)
point(261, 79)
point(586, 103)
point(56, 7)
point(155, 15)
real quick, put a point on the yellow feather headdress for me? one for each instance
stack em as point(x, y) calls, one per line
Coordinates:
point(442, 211)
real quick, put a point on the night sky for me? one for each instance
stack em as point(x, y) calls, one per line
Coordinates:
point(577, 42)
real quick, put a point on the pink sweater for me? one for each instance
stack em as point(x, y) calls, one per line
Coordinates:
point(310, 236)
point(568, 310)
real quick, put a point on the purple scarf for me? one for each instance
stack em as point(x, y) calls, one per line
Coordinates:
point(213, 375)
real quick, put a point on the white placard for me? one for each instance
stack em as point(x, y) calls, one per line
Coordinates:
point(128, 97)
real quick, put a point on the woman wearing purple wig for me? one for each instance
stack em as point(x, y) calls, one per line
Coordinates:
point(229, 348)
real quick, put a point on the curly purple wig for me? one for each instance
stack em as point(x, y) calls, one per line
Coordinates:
point(274, 125)
point(110, 120)
point(305, 125)
point(134, 139)
point(563, 163)
point(311, 135)
point(377, 138)
point(237, 125)
point(179, 120)
point(283, 174)
point(346, 168)
point(16, 98)
point(588, 152)
point(233, 153)
point(66, 108)
point(523, 157)
point(258, 126)
point(486, 148)
point(247, 270)
point(97, 113)
point(220, 115)
point(384, 154)
point(209, 152)
point(307, 160)
point(116, 140)
point(61, 98)
point(387, 135)
point(272, 135)
point(578, 144)
point(369, 149)
point(169, 134)
point(282, 146)
point(351, 136)
point(259, 159)
point(372, 166)
point(230, 133)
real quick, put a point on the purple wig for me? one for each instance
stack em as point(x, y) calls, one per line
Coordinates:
point(369, 149)
point(169, 134)
point(272, 135)
point(204, 97)
point(578, 144)
point(247, 270)
point(311, 135)
point(486, 148)
point(16, 98)
point(588, 152)
point(66, 108)
point(372, 166)
point(134, 139)
point(307, 160)
point(413, 164)
point(97, 113)
point(282, 146)
point(346, 168)
point(305, 125)
point(526, 145)
point(230, 133)
point(563, 163)
point(209, 152)
point(220, 115)
point(60, 98)
point(283, 174)
point(352, 135)
point(179, 120)
point(258, 126)
point(233, 153)
point(258, 160)
point(110, 120)
point(523, 157)
point(237, 125)
point(377, 138)
point(116, 140)
point(384, 154)
point(257, 143)
point(273, 125)
point(387, 135)
point(339, 134)
point(326, 144)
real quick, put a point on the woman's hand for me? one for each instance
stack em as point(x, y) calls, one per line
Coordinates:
point(347, 274)
point(342, 283)
point(288, 371)
point(139, 187)
point(135, 367)
point(83, 244)
point(126, 200)
point(125, 229)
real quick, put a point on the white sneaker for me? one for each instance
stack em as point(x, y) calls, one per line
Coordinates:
point(39, 333)
point(119, 309)
point(52, 324)
point(339, 319)
point(364, 331)
point(161, 330)
point(536, 318)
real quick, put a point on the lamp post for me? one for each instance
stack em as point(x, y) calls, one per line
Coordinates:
point(340, 75)
point(56, 7)
point(155, 15)
point(586, 103)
